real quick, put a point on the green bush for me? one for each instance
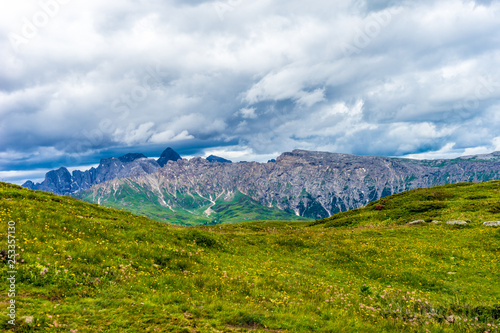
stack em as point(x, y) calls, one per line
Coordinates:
point(246, 319)
point(421, 207)
point(495, 208)
point(291, 242)
point(201, 238)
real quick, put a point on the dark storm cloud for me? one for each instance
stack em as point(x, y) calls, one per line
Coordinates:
point(246, 79)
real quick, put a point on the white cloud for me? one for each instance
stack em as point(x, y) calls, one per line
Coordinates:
point(20, 176)
point(170, 136)
point(135, 135)
point(496, 143)
point(248, 113)
point(309, 99)
point(447, 151)
point(239, 153)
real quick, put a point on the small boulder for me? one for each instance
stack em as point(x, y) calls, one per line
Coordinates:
point(492, 223)
point(416, 222)
point(457, 222)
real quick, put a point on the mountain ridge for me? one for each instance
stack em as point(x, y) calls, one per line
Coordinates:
point(304, 183)
point(62, 182)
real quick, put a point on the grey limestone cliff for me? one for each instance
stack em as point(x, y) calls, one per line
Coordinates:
point(310, 184)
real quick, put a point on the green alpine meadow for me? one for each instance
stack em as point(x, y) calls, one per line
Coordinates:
point(425, 260)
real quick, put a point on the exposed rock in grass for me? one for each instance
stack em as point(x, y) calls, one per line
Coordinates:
point(416, 222)
point(492, 223)
point(457, 222)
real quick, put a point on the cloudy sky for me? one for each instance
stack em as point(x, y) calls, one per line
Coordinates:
point(245, 80)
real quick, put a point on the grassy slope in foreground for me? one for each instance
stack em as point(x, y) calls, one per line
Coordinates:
point(112, 271)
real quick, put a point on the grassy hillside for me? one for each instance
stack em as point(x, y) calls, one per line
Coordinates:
point(463, 201)
point(185, 209)
point(87, 268)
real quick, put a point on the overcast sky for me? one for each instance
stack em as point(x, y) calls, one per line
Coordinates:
point(245, 80)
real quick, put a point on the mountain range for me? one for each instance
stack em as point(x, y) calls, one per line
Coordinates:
point(62, 182)
point(298, 184)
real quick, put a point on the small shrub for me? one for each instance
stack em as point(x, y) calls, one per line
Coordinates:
point(183, 265)
point(199, 282)
point(495, 209)
point(345, 222)
point(3, 255)
point(425, 206)
point(201, 239)
point(483, 312)
point(162, 260)
point(365, 290)
point(379, 207)
point(246, 319)
point(440, 195)
point(291, 242)
point(477, 197)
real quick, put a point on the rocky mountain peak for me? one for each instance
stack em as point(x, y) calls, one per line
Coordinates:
point(495, 156)
point(131, 157)
point(197, 161)
point(59, 180)
point(168, 155)
point(213, 158)
point(307, 157)
point(29, 184)
point(107, 161)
